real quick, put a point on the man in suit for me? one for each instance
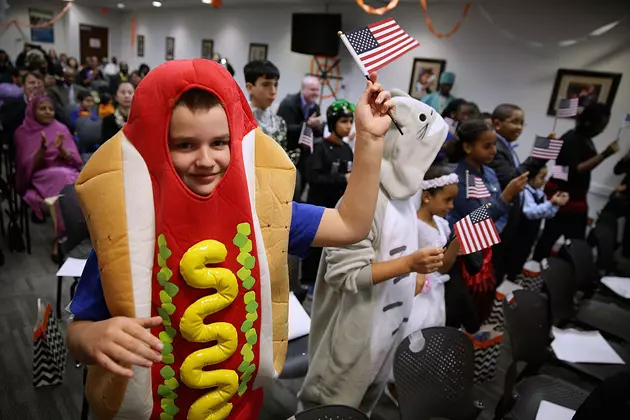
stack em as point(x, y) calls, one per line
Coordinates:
point(13, 111)
point(298, 109)
point(65, 96)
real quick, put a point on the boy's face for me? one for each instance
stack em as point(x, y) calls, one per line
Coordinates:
point(344, 126)
point(512, 127)
point(199, 143)
point(87, 103)
point(263, 92)
point(539, 180)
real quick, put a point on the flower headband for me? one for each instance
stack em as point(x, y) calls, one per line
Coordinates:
point(439, 182)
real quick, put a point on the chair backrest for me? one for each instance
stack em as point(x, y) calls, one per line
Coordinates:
point(586, 272)
point(72, 215)
point(330, 412)
point(433, 372)
point(608, 400)
point(561, 285)
point(527, 323)
point(88, 133)
point(606, 238)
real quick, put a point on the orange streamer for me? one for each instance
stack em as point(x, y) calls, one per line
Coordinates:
point(381, 10)
point(423, 3)
point(39, 25)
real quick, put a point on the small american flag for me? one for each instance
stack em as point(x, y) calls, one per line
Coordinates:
point(547, 149)
point(452, 124)
point(306, 136)
point(476, 231)
point(567, 108)
point(626, 121)
point(560, 172)
point(376, 45)
point(475, 188)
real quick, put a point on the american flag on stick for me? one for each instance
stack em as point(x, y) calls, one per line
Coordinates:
point(376, 45)
point(560, 172)
point(306, 136)
point(545, 148)
point(476, 231)
point(475, 187)
point(567, 108)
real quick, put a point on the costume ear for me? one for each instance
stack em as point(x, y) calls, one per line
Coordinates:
point(399, 93)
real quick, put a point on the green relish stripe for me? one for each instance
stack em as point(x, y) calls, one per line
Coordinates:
point(167, 389)
point(247, 262)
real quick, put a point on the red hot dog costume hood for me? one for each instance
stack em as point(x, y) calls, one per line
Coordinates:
point(214, 268)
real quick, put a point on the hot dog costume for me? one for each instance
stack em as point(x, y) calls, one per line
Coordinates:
point(163, 250)
point(356, 326)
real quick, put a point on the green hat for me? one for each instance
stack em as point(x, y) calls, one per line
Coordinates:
point(447, 78)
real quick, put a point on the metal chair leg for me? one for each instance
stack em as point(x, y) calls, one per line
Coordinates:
point(85, 408)
point(27, 230)
point(59, 284)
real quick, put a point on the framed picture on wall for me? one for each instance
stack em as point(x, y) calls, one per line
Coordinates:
point(140, 45)
point(169, 54)
point(425, 76)
point(207, 48)
point(258, 51)
point(588, 86)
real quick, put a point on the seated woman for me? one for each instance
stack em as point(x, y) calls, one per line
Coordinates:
point(114, 122)
point(47, 159)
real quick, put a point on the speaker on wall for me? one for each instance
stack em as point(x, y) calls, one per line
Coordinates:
point(315, 34)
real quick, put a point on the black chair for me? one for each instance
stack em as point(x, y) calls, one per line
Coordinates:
point(605, 316)
point(561, 288)
point(296, 363)
point(607, 401)
point(433, 372)
point(605, 235)
point(527, 324)
point(76, 243)
point(330, 412)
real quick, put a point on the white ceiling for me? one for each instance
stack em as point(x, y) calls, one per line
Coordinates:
point(143, 4)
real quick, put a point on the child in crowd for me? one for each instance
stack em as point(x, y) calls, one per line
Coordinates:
point(535, 207)
point(327, 172)
point(85, 108)
point(475, 149)
point(261, 82)
point(508, 121)
point(106, 107)
point(198, 187)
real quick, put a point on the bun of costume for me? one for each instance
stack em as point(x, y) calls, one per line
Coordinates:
point(214, 268)
point(337, 110)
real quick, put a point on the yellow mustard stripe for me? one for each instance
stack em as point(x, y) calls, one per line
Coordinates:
point(247, 262)
point(167, 389)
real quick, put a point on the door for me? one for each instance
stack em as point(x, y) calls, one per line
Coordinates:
point(94, 42)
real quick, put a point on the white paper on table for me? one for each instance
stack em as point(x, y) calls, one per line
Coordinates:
point(299, 321)
point(583, 347)
point(72, 267)
point(550, 411)
point(619, 285)
point(508, 287)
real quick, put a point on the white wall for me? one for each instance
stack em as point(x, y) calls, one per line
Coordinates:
point(66, 29)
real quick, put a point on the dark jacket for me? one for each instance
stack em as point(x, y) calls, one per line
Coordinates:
point(291, 110)
point(326, 172)
point(503, 165)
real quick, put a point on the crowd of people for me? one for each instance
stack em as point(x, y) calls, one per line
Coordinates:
point(50, 103)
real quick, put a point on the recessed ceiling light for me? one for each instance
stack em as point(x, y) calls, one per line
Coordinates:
point(567, 43)
point(604, 29)
point(157, 4)
point(206, 1)
point(121, 5)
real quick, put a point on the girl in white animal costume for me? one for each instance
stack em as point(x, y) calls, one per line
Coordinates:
point(364, 292)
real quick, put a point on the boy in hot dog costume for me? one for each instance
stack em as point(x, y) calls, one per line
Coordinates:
point(190, 214)
point(364, 292)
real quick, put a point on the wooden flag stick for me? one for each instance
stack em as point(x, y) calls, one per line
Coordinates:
point(389, 112)
point(555, 121)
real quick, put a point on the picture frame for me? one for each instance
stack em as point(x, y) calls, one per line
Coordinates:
point(169, 53)
point(207, 48)
point(425, 76)
point(140, 45)
point(588, 86)
point(258, 51)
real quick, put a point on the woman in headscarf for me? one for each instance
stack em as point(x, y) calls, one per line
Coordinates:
point(47, 159)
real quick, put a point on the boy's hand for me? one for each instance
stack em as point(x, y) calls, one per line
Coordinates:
point(515, 187)
point(426, 260)
point(371, 112)
point(119, 342)
point(560, 198)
